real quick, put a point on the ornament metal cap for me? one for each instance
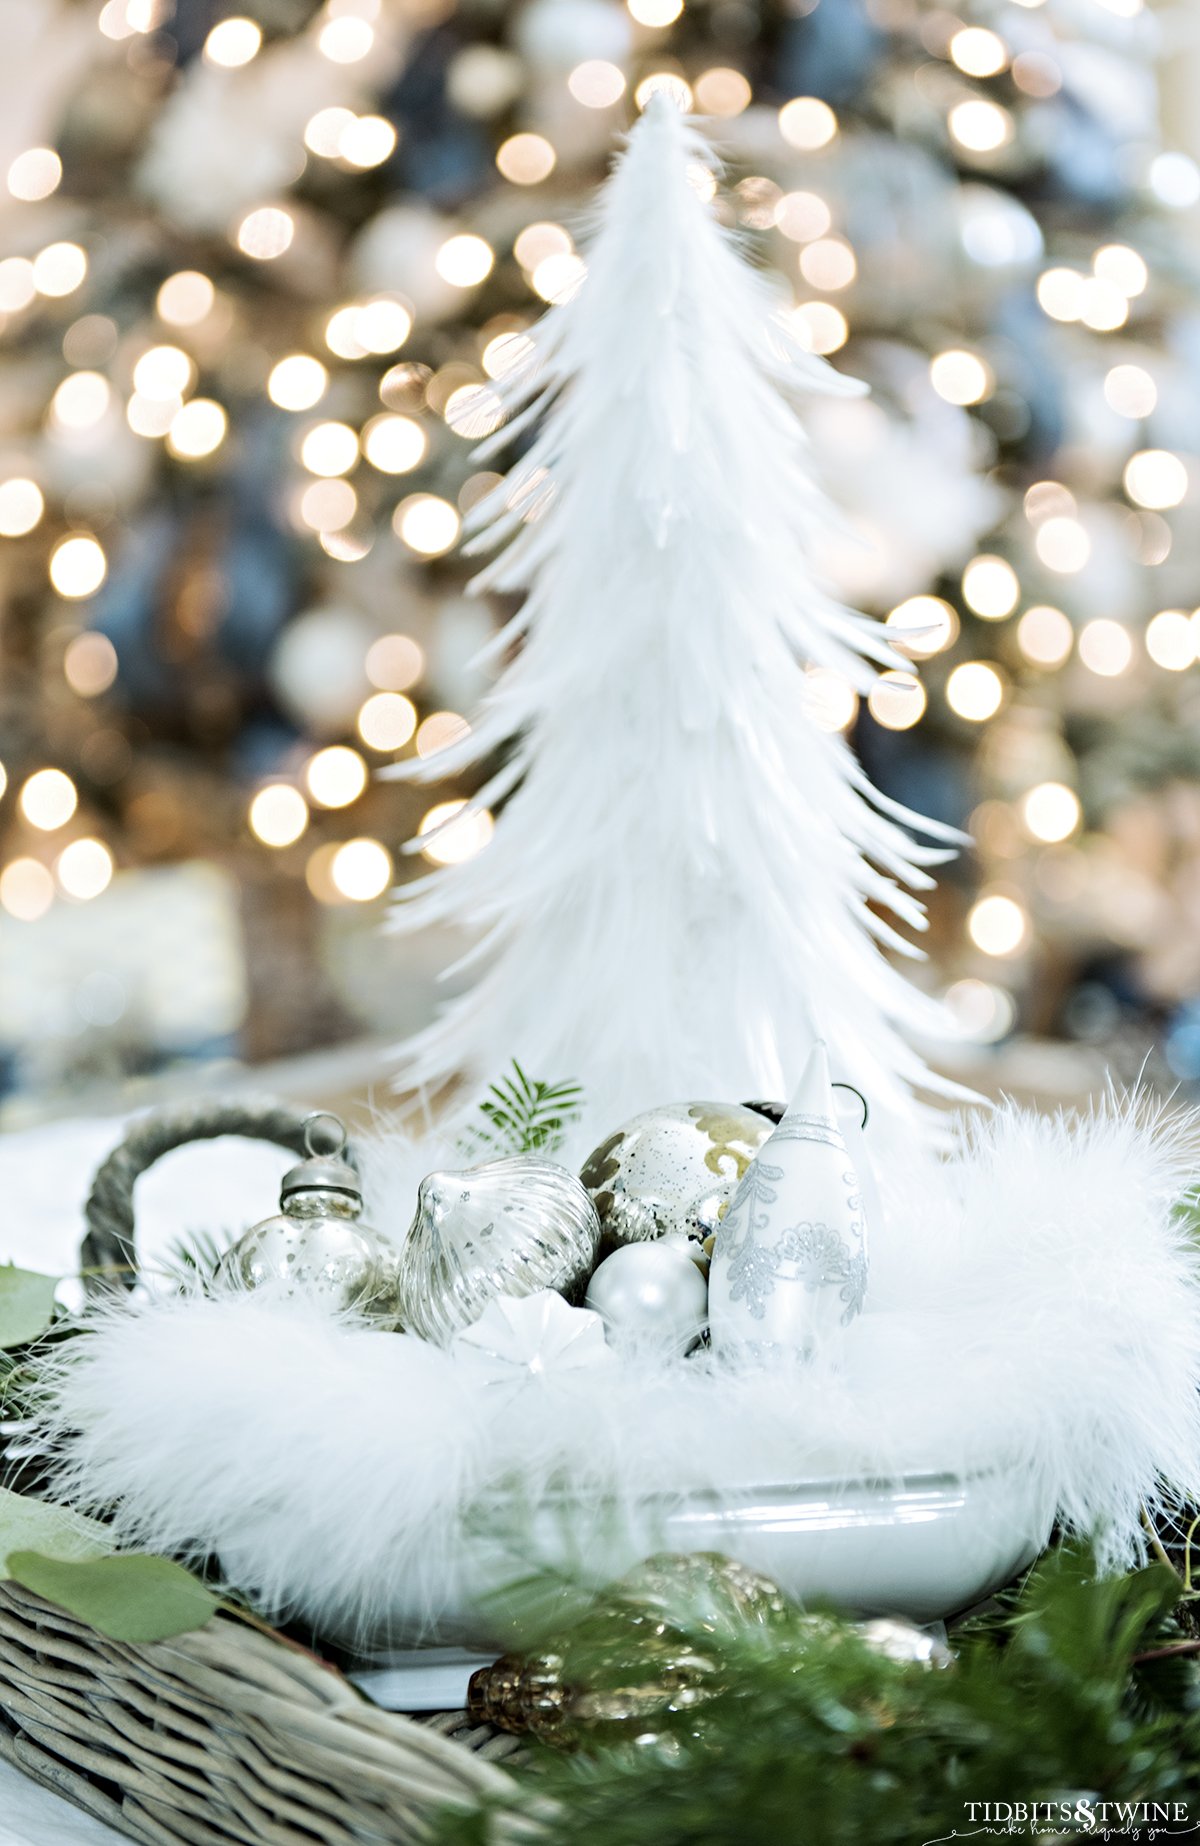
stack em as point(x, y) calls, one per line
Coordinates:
point(324, 1170)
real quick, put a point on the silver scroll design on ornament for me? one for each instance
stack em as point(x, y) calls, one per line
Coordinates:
point(822, 1256)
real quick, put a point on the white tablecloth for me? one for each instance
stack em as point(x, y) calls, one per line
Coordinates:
point(44, 1179)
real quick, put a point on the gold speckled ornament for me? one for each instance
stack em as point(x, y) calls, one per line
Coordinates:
point(533, 1693)
point(672, 1171)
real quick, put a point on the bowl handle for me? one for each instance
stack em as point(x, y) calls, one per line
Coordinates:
point(109, 1253)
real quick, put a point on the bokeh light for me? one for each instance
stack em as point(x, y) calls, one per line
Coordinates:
point(556, 278)
point(59, 269)
point(975, 691)
point(1051, 812)
point(1045, 635)
point(84, 869)
point(454, 832)
point(427, 524)
point(979, 126)
point(35, 174)
point(982, 1011)
point(439, 730)
point(387, 721)
point(367, 141)
point(278, 814)
point(960, 377)
point(1171, 640)
point(654, 13)
point(21, 506)
point(90, 664)
point(807, 123)
point(526, 159)
point(346, 39)
point(394, 444)
point(336, 776)
point(394, 663)
point(896, 701)
point(722, 91)
point(596, 83)
point(81, 400)
point(78, 566)
point(802, 216)
point(48, 799)
point(185, 298)
point(1130, 391)
point(26, 889)
point(819, 326)
point(990, 587)
point(828, 263)
point(266, 233)
point(361, 870)
point(922, 625)
point(297, 382)
point(465, 260)
point(1122, 267)
point(233, 42)
point(197, 429)
point(1063, 545)
point(329, 449)
point(978, 52)
point(1155, 478)
point(998, 925)
point(1105, 647)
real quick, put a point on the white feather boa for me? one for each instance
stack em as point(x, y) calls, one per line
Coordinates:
point(1034, 1300)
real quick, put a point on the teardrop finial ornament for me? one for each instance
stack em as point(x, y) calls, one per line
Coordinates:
point(789, 1265)
point(508, 1227)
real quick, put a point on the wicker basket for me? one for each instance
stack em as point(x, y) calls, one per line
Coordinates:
point(225, 1734)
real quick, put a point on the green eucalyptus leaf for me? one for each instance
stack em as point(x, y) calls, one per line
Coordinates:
point(130, 1596)
point(39, 1525)
point(26, 1304)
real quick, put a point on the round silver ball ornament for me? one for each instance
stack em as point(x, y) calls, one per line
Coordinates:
point(507, 1227)
point(317, 1245)
point(672, 1171)
point(652, 1297)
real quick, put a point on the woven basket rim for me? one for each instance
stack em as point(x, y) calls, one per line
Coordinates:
point(215, 1733)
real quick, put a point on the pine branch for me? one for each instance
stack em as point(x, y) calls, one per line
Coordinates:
point(814, 1736)
point(521, 1115)
point(193, 1259)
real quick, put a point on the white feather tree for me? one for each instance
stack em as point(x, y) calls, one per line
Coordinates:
point(682, 882)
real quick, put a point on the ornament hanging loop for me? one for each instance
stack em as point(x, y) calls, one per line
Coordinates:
point(324, 1143)
point(866, 1109)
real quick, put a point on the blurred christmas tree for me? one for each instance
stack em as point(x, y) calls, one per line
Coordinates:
point(259, 270)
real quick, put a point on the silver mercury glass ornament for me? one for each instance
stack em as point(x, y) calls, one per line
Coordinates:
point(672, 1171)
point(507, 1227)
point(317, 1246)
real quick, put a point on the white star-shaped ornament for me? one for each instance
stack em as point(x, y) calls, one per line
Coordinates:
point(517, 1339)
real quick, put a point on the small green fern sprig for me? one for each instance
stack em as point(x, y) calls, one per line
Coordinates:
point(521, 1115)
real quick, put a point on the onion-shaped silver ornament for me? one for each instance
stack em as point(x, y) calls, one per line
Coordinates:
point(317, 1246)
point(508, 1227)
point(672, 1171)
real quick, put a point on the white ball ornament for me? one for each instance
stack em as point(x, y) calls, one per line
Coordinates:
point(651, 1297)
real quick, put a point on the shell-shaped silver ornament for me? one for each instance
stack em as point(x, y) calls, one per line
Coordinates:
point(508, 1227)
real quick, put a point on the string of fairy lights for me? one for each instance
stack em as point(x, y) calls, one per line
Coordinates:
point(348, 468)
